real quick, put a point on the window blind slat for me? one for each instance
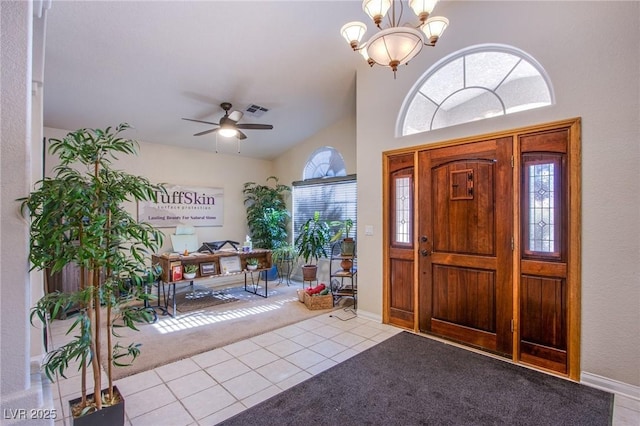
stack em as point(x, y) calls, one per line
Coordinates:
point(334, 200)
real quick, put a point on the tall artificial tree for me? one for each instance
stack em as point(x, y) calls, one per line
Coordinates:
point(78, 216)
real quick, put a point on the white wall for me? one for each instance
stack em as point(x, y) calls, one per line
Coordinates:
point(341, 136)
point(19, 388)
point(172, 165)
point(595, 76)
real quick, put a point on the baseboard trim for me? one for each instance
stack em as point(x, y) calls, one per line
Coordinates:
point(610, 385)
point(370, 315)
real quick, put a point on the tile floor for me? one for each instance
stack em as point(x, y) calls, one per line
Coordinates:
point(208, 388)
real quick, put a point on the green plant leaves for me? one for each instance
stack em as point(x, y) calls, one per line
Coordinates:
point(312, 239)
point(78, 216)
point(267, 214)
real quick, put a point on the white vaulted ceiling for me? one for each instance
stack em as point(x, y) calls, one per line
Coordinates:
point(151, 63)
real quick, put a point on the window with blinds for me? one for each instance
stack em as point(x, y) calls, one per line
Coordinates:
point(335, 199)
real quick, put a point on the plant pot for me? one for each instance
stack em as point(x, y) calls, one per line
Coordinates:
point(348, 247)
point(252, 267)
point(189, 276)
point(270, 274)
point(346, 264)
point(109, 416)
point(309, 272)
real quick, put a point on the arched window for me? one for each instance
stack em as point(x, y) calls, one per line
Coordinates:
point(324, 162)
point(326, 188)
point(473, 84)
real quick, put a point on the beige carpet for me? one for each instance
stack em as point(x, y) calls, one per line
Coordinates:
point(190, 301)
point(190, 333)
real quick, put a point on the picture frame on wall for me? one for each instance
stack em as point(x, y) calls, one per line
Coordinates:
point(230, 264)
point(205, 207)
point(208, 268)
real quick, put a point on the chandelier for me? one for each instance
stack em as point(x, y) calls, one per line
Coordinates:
point(395, 44)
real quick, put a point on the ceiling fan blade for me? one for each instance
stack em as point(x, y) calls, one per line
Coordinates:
point(253, 126)
point(241, 135)
point(200, 121)
point(206, 132)
point(236, 115)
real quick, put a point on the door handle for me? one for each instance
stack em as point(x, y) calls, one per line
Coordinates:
point(424, 239)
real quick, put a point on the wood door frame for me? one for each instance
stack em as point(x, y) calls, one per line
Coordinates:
point(574, 128)
point(386, 240)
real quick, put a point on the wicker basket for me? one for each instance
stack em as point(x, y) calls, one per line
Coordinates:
point(318, 302)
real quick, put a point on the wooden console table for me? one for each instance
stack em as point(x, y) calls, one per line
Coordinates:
point(210, 265)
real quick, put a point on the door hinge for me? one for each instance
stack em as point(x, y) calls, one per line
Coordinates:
point(512, 244)
point(512, 161)
point(512, 325)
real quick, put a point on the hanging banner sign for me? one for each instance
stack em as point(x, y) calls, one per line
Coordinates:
point(184, 205)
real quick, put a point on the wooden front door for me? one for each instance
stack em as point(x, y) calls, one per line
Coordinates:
point(482, 243)
point(465, 237)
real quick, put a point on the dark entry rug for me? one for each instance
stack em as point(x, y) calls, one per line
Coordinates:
point(413, 380)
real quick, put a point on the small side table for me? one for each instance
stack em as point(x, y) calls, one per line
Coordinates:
point(284, 275)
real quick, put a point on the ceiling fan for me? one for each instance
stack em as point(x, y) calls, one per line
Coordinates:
point(229, 125)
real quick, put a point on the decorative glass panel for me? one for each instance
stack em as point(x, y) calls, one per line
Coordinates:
point(403, 210)
point(541, 208)
point(542, 205)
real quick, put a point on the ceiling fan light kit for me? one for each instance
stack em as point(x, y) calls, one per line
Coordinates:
point(227, 132)
point(228, 126)
point(395, 44)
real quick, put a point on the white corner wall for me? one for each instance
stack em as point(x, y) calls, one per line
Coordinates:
point(595, 77)
point(20, 388)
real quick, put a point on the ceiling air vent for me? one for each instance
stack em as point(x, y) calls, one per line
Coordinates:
point(254, 110)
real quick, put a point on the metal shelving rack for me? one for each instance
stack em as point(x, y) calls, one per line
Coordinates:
point(344, 279)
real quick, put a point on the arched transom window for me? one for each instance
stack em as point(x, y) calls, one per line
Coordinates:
point(473, 84)
point(324, 162)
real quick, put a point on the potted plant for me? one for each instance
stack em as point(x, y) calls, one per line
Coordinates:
point(311, 244)
point(190, 271)
point(347, 248)
point(77, 216)
point(267, 215)
point(252, 263)
point(284, 252)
